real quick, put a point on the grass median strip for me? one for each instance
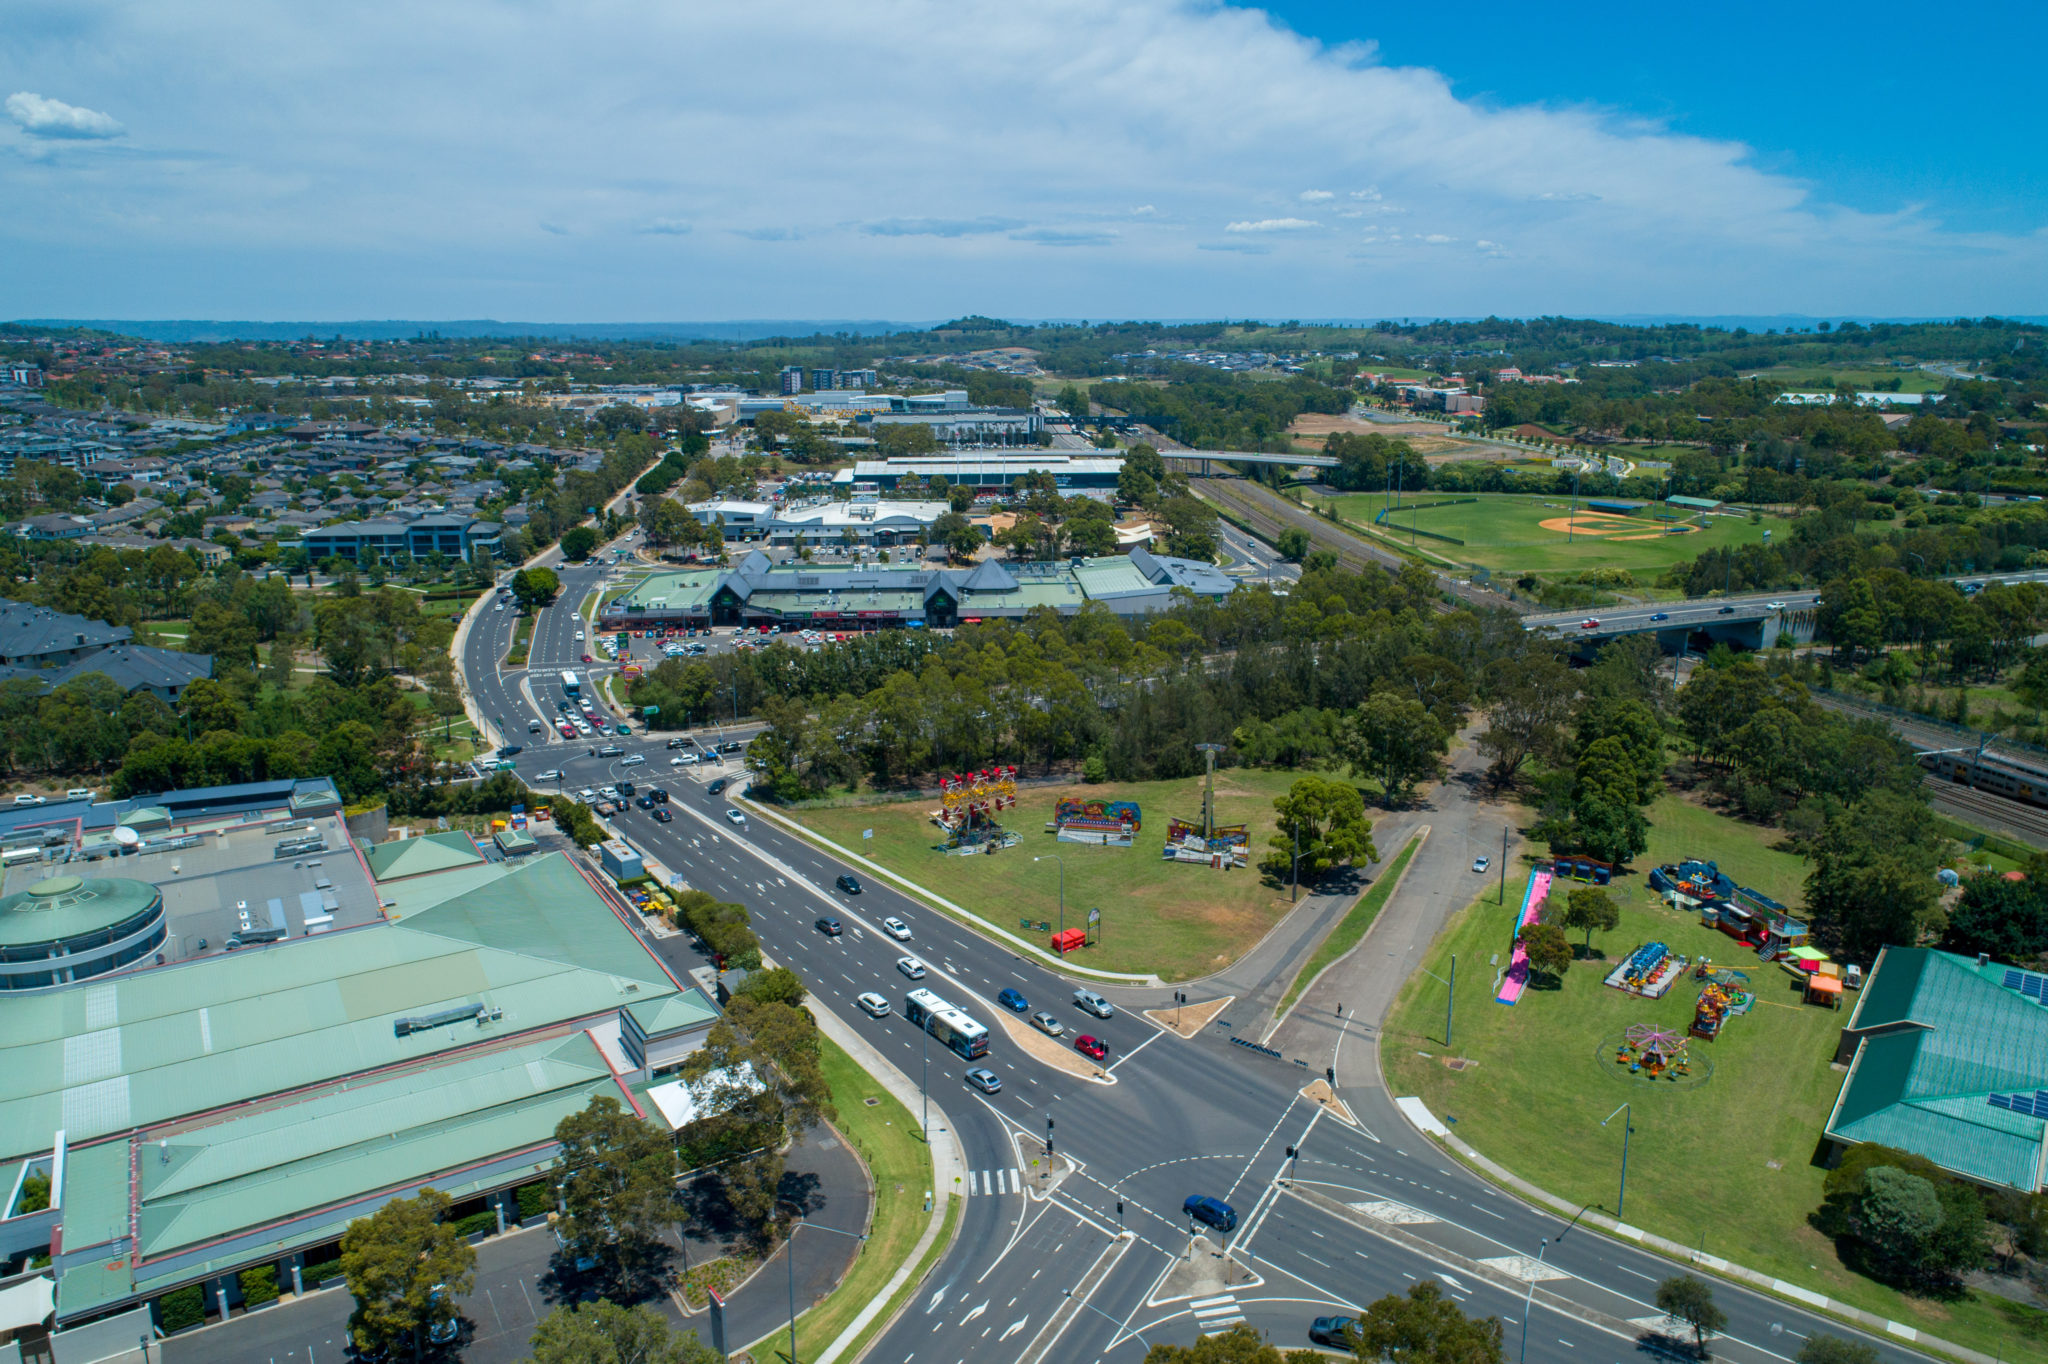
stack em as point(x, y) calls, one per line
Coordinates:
point(1351, 928)
point(884, 1135)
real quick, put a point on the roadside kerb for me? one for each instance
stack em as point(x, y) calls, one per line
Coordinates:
point(973, 920)
point(949, 1163)
point(1673, 1250)
point(1420, 838)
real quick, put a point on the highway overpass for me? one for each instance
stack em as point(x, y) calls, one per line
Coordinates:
point(1750, 622)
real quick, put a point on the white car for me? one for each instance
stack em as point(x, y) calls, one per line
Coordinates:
point(579, 636)
point(1481, 863)
point(552, 774)
point(738, 817)
point(873, 1005)
point(586, 794)
point(910, 966)
point(27, 799)
point(633, 760)
point(582, 727)
point(896, 928)
point(1774, 606)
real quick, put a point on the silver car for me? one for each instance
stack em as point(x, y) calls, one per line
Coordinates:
point(910, 966)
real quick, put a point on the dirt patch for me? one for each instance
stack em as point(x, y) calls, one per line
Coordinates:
point(1193, 1017)
point(1593, 523)
point(1660, 534)
point(1319, 1092)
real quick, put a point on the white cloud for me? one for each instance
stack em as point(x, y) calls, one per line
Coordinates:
point(410, 204)
point(1272, 225)
point(1438, 238)
point(1316, 196)
point(668, 227)
point(40, 117)
point(1242, 248)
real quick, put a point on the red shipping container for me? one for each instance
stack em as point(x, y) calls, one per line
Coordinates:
point(1069, 939)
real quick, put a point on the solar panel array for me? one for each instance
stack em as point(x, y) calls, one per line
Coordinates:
point(2034, 1105)
point(2027, 983)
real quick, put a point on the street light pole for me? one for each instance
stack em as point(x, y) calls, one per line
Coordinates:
point(1503, 864)
point(1529, 1298)
point(1628, 1127)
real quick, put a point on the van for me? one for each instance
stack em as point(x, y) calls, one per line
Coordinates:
point(533, 726)
point(79, 793)
point(1212, 1211)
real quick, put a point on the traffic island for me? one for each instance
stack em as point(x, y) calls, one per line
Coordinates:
point(1318, 1092)
point(1187, 1020)
point(1051, 1052)
point(1206, 1270)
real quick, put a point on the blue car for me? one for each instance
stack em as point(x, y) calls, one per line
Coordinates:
point(1014, 1002)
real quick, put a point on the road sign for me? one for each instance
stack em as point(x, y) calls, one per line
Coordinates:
point(650, 710)
point(1094, 916)
point(867, 833)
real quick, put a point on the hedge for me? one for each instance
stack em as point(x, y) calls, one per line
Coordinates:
point(475, 1222)
point(533, 1200)
point(320, 1273)
point(182, 1307)
point(259, 1285)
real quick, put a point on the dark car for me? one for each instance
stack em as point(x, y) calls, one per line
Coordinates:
point(645, 802)
point(510, 751)
point(1331, 1331)
point(716, 786)
point(1726, 611)
point(732, 746)
point(658, 795)
point(830, 927)
point(1213, 1211)
point(1013, 1001)
point(1660, 615)
point(626, 789)
point(1091, 1046)
point(661, 814)
point(848, 884)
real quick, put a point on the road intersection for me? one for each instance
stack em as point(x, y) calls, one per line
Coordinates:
point(1087, 1255)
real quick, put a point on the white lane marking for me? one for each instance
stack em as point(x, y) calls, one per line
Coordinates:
point(1013, 1328)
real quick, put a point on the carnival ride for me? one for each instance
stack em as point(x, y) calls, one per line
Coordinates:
point(969, 803)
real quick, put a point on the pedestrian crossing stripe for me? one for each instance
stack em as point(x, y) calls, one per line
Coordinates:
point(1214, 1316)
point(1004, 1181)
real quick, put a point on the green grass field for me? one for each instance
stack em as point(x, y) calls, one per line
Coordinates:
point(1910, 380)
point(886, 1138)
point(1175, 919)
point(1727, 1166)
point(1505, 532)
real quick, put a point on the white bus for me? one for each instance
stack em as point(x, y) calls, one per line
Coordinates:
point(571, 684)
point(951, 1026)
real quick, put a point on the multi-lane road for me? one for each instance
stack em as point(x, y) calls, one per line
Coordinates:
point(1092, 1262)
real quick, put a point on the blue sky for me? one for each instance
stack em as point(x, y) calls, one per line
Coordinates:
point(647, 161)
point(1875, 104)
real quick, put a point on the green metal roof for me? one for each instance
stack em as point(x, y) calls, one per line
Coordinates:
point(1944, 1036)
point(65, 907)
point(689, 587)
point(672, 1013)
point(345, 1142)
point(530, 938)
point(403, 857)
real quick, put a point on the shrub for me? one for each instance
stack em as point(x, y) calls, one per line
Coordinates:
point(259, 1285)
point(487, 1220)
point(319, 1272)
point(533, 1200)
point(182, 1307)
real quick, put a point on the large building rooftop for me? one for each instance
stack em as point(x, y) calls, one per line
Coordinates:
point(230, 1109)
point(1949, 1060)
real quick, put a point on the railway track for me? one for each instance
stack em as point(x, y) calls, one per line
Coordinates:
point(1994, 812)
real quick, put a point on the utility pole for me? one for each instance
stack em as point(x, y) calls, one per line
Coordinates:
point(1209, 790)
point(1628, 1127)
point(1503, 864)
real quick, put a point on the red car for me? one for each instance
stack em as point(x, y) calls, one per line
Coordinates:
point(1091, 1046)
point(586, 658)
point(1589, 623)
